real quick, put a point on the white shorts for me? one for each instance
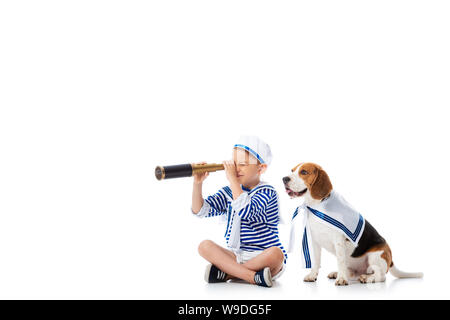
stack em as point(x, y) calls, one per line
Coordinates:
point(243, 256)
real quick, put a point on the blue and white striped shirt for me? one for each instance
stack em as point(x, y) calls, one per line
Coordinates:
point(258, 210)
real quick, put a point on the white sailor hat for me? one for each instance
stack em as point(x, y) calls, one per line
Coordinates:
point(256, 147)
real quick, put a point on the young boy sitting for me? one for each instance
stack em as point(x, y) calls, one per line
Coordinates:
point(254, 252)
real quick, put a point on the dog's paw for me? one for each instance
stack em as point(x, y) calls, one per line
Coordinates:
point(367, 278)
point(341, 281)
point(312, 277)
point(332, 275)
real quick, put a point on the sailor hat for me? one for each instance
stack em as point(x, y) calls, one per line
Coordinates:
point(256, 147)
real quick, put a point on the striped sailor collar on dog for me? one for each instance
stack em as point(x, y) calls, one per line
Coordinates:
point(335, 212)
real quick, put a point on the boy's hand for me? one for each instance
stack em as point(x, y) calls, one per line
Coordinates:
point(200, 177)
point(230, 171)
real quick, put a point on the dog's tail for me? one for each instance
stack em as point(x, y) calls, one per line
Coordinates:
point(401, 274)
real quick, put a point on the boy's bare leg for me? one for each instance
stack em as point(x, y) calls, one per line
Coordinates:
point(225, 260)
point(272, 257)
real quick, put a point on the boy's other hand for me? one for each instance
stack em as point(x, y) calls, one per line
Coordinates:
point(230, 170)
point(200, 177)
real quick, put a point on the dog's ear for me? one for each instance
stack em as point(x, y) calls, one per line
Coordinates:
point(321, 188)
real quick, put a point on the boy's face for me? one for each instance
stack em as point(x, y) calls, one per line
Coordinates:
point(248, 168)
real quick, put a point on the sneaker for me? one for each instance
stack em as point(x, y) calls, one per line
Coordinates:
point(263, 277)
point(214, 274)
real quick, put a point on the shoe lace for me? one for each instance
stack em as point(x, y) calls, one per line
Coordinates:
point(258, 279)
point(220, 275)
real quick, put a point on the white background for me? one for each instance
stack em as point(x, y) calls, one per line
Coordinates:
point(95, 94)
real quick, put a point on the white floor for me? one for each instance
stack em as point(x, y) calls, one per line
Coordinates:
point(322, 289)
point(291, 286)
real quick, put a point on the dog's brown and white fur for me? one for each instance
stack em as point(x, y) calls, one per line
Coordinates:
point(369, 261)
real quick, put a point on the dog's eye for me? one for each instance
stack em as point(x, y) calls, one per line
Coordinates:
point(304, 172)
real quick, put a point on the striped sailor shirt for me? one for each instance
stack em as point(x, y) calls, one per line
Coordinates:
point(257, 212)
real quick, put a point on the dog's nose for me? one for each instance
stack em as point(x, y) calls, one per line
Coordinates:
point(286, 180)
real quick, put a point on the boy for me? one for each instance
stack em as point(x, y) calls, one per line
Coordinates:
point(254, 252)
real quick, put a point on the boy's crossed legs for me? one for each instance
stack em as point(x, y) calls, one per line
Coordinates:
point(225, 260)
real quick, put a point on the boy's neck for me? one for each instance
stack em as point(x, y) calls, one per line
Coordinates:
point(251, 185)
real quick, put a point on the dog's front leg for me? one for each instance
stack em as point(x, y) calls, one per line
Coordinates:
point(339, 245)
point(312, 276)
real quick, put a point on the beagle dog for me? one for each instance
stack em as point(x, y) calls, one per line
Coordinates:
point(367, 259)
